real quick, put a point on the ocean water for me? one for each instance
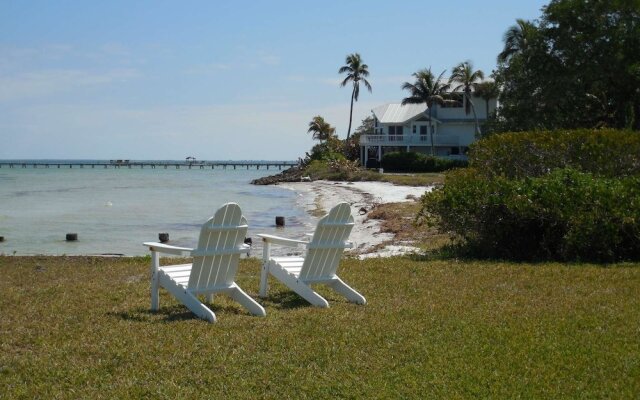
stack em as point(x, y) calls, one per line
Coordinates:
point(114, 211)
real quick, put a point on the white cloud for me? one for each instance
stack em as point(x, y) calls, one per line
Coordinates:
point(335, 82)
point(208, 68)
point(47, 82)
point(14, 58)
point(240, 131)
point(269, 59)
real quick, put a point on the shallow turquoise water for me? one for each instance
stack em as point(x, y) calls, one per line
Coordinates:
point(115, 210)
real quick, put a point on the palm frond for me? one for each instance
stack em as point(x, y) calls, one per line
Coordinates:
point(346, 80)
point(367, 84)
point(412, 100)
point(408, 86)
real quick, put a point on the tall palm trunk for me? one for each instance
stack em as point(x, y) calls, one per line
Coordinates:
point(353, 94)
point(475, 116)
point(486, 106)
point(431, 131)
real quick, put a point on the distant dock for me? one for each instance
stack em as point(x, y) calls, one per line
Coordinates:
point(116, 164)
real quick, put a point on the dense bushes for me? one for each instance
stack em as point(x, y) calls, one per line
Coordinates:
point(330, 149)
point(603, 152)
point(416, 162)
point(535, 196)
point(338, 170)
point(565, 215)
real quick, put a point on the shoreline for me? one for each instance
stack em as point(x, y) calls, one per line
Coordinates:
point(318, 197)
point(311, 201)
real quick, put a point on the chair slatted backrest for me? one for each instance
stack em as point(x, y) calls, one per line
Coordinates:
point(328, 243)
point(215, 261)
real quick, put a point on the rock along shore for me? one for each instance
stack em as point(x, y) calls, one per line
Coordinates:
point(293, 174)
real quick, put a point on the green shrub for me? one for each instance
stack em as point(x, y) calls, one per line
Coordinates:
point(336, 170)
point(330, 149)
point(564, 215)
point(603, 152)
point(417, 162)
point(322, 152)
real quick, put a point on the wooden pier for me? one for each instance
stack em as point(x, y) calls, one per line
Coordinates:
point(118, 164)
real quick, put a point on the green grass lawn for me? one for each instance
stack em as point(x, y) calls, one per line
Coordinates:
point(79, 327)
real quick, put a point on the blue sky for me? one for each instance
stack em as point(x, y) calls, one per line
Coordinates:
point(218, 80)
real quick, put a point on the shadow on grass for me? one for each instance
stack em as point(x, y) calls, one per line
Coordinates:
point(175, 312)
point(286, 300)
point(468, 253)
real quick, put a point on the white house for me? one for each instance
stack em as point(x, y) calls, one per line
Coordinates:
point(406, 128)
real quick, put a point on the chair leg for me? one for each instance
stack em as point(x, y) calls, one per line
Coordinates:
point(339, 286)
point(246, 301)
point(188, 299)
point(310, 295)
point(195, 305)
point(264, 275)
point(209, 298)
point(299, 287)
point(155, 270)
point(155, 292)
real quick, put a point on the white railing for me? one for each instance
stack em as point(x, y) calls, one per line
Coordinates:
point(407, 140)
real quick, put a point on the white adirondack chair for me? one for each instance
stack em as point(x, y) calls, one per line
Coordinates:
point(320, 263)
point(214, 267)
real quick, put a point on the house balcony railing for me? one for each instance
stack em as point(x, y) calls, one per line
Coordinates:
point(409, 140)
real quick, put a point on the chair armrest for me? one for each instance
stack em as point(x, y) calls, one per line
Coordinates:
point(281, 241)
point(165, 248)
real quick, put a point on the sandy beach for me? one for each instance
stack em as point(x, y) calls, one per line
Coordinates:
point(319, 196)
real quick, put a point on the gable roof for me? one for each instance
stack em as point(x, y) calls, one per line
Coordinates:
point(395, 113)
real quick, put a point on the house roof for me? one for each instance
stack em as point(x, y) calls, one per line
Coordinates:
point(395, 113)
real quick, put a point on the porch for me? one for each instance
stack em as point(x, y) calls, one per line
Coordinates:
point(408, 140)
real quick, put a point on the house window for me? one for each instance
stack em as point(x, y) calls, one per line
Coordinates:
point(395, 132)
point(423, 130)
point(455, 150)
point(454, 101)
point(414, 129)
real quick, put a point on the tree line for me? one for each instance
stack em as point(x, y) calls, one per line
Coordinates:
point(577, 66)
point(426, 89)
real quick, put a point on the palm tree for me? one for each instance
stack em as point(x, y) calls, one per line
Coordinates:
point(426, 89)
point(320, 129)
point(487, 90)
point(467, 80)
point(517, 39)
point(356, 71)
